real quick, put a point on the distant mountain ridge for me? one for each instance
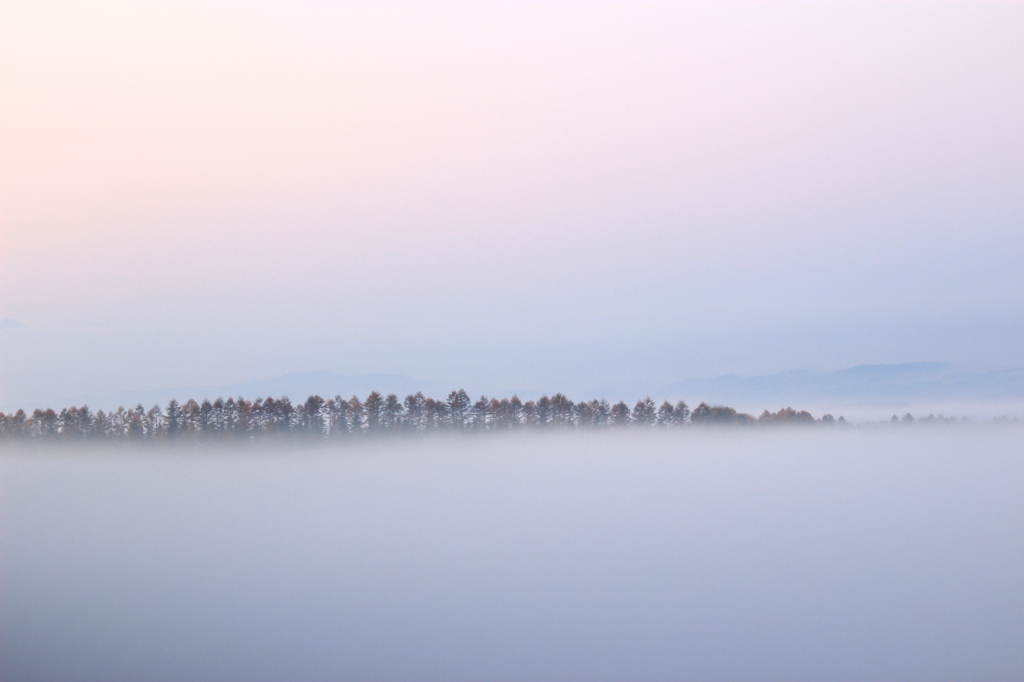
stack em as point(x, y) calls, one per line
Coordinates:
point(296, 385)
point(862, 385)
point(930, 381)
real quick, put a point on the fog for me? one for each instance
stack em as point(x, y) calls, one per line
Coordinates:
point(841, 554)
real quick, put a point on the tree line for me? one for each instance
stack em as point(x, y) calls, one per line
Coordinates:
point(241, 420)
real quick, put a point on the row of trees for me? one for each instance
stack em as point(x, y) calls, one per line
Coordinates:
point(337, 418)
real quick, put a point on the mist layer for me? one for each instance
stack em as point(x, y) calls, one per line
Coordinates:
point(789, 555)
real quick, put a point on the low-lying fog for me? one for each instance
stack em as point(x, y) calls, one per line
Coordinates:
point(889, 554)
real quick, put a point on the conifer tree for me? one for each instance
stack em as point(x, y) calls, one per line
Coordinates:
point(392, 413)
point(458, 407)
point(620, 414)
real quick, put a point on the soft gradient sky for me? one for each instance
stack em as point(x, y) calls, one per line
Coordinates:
point(547, 195)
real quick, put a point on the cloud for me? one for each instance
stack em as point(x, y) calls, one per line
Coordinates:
point(8, 323)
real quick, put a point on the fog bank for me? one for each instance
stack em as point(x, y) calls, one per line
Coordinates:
point(700, 555)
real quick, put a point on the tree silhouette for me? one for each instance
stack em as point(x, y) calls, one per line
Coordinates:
point(620, 415)
point(644, 413)
point(458, 406)
point(316, 419)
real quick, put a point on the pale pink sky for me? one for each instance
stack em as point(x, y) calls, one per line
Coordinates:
point(537, 193)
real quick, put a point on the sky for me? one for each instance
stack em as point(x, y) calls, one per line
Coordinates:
point(555, 196)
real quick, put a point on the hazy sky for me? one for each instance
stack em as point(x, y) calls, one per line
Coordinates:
point(552, 195)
